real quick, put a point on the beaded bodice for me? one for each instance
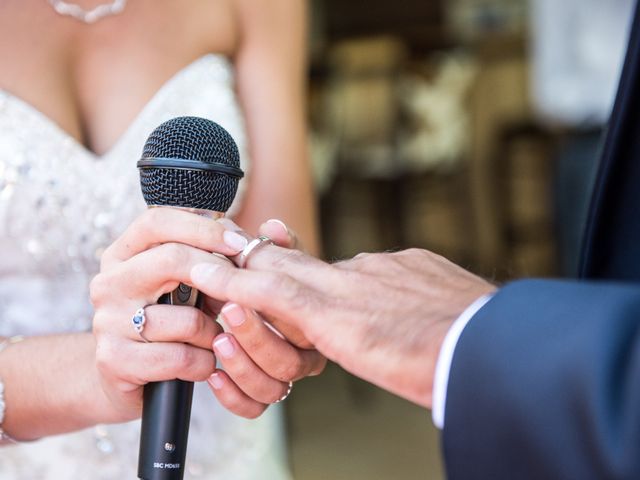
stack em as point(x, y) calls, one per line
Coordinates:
point(60, 207)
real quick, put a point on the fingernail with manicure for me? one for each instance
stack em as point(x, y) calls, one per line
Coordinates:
point(216, 381)
point(279, 222)
point(233, 315)
point(224, 346)
point(234, 240)
point(229, 224)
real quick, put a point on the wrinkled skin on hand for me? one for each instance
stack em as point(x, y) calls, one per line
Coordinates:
point(382, 316)
point(152, 257)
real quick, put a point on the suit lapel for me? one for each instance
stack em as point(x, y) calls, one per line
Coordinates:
point(611, 242)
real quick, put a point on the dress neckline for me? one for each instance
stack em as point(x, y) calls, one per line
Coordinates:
point(55, 126)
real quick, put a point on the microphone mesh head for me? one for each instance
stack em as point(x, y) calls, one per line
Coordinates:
point(195, 139)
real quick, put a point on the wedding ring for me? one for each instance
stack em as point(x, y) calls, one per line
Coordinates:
point(138, 321)
point(284, 397)
point(243, 256)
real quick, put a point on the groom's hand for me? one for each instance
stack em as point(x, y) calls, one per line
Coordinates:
point(381, 316)
point(256, 363)
point(284, 237)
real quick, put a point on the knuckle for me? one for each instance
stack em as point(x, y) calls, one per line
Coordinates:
point(100, 323)
point(291, 371)
point(106, 258)
point(288, 257)
point(413, 255)
point(192, 363)
point(361, 262)
point(98, 288)
point(439, 258)
point(271, 283)
point(295, 255)
point(293, 238)
point(205, 230)
point(197, 227)
point(183, 357)
point(281, 284)
point(254, 344)
point(207, 366)
point(242, 374)
point(223, 276)
point(192, 323)
point(297, 297)
point(317, 364)
point(149, 220)
point(414, 252)
point(145, 224)
point(319, 367)
point(388, 258)
point(346, 265)
point(104, 355)
point(362, 256)
point(255, 411)
point(170, 257)
point(273, 396)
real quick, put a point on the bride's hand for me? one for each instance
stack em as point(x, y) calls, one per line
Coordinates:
point(151, 258)
point(258, 362)
point(280, 234)
point(283, 237)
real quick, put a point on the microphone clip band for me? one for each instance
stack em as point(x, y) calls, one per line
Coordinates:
point(183, 164)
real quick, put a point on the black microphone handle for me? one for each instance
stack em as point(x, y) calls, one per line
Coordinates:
point(166, 412)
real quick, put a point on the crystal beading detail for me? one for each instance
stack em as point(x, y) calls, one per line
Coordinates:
point(60, 207)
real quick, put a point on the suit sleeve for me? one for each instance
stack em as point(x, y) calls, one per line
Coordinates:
point(545, 384)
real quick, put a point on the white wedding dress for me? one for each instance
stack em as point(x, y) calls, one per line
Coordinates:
point(60, 206)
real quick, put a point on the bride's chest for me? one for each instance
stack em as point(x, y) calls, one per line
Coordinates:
point(59, 206)
point(92, 80)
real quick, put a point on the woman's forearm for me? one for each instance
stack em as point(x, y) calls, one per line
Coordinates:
point(51, 386)
point(273, 49)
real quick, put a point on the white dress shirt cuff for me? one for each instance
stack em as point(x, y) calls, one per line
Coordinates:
point(445, 357)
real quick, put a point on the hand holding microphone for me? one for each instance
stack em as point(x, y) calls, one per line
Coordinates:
point(152, 258)
point(189, 163)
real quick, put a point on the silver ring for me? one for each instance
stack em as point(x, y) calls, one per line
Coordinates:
point(243, 256)
point(138, 321)
point(284, 397)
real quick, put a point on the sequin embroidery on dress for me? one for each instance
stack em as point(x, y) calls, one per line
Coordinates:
point(60, 206)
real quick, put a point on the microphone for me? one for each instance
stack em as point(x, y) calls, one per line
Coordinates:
point(194, 164)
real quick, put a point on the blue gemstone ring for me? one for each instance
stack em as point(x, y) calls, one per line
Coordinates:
point(138, 321)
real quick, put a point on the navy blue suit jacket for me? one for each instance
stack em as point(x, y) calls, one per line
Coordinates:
point(545, 379)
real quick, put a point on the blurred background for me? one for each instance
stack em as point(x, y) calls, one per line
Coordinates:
point(468, 127)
